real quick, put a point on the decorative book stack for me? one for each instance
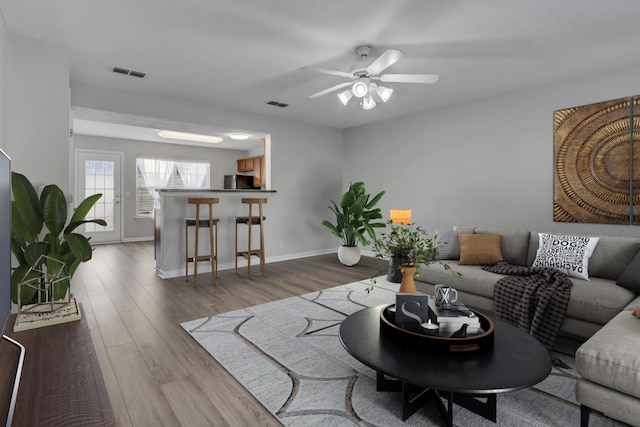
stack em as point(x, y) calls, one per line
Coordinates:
point(452, 318)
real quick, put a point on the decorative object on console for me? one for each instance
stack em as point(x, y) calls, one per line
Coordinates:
point(569, 254)
point(593, 174)
point(49, 263)
point(413, 246)
point(354, 217)
point(479, 249)
point(412, 310)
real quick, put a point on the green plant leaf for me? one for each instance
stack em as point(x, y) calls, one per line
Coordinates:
point(79, 245)
point(375, 200)
point(54, 209)
point(34, 251)
point(27, 293)
point(82, 210)
point(27, 212)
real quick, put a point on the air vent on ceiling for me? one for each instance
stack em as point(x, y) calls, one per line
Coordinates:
point(278, 104)
point(127, 72)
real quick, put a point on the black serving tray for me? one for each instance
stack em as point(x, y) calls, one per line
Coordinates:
point(435, 344)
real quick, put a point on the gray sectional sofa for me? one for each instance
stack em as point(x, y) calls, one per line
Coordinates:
point(599, 311)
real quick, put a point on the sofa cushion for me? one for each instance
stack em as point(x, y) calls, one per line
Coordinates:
point(514, 244)
point(448, 245)
point(598, 300)
point(612, 255)
point(610, 356)
point(630, 277)
point(474, 280)
point(569, 254)
point(479, 249)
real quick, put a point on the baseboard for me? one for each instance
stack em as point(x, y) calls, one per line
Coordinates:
point(137, 239)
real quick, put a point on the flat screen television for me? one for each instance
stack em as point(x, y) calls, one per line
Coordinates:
point(11, 352)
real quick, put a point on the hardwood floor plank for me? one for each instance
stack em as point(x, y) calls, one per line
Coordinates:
point(155, 373)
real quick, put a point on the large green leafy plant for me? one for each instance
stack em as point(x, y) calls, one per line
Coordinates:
point(60, 247)
point(355, 216)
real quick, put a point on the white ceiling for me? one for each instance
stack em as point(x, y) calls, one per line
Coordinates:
point(244, 53)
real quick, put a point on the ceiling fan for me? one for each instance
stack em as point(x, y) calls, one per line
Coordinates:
point(363, 77)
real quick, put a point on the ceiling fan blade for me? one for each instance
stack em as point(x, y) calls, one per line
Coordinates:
point(331, 89)
point(388, 58)
point(332, 72)
point(409, 78)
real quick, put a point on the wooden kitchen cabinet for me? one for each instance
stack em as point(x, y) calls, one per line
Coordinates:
point(256, 165)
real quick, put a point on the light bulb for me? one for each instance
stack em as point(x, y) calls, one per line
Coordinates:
point(345, 96)
point(368, 103)
point(360, 88)
point(384, 93)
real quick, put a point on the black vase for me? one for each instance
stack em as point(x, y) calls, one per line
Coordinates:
point(394, 275)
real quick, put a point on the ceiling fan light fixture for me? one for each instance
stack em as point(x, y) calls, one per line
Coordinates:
point(384, 93)
point(361, 87)
point(185, 136)
point(345, 96)
point(368, 103)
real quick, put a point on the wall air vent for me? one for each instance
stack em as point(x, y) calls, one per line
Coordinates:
point(278, 104)
point(127, 72)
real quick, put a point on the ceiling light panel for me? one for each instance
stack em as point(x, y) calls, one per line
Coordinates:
point(184, 136)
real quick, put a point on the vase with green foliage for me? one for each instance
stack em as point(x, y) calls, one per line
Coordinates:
point(355, 221)
point(412, 246)
point(41, 239)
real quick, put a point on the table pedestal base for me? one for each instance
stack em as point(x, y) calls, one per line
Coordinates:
point(415, 397)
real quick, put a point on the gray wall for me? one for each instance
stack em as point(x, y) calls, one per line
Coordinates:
point(485, 163)
point(37, 110)
point(306, 163)
point(223, 162)
point(3, 74)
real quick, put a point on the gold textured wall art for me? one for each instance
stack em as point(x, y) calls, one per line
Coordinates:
point(597, 163)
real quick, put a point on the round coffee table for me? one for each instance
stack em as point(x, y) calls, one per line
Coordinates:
point(516, 361)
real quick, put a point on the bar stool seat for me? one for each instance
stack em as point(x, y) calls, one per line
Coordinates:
point(250, 221)
point(210, 223)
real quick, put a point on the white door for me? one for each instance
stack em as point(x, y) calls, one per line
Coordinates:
point(100, 172)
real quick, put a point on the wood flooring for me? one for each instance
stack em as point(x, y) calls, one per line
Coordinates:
point(156, 374)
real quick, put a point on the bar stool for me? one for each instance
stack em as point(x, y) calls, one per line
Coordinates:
point(250, 221)
point(212, 224)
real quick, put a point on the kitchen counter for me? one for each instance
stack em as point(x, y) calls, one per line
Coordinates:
point(170, 228)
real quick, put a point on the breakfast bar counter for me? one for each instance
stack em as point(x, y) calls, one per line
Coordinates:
point(170, 228)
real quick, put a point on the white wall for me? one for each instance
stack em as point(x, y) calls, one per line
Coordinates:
point(223, 162)
point(306, 163)
point(3, 75)
point(486, 163)
point(37, 110)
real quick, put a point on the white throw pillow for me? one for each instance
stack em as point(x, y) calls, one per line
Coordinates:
point(569, 254)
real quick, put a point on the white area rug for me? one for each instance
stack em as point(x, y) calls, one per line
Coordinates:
point(288, 355)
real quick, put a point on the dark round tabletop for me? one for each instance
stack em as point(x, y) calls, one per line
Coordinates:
point(516, 361)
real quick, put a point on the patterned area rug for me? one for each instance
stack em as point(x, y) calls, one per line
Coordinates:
point(288, 355)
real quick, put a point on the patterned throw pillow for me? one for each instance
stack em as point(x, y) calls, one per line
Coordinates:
point(448, 245)
point(569, 254)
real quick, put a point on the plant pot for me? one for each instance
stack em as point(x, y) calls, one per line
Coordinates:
point(408, 284)
point(349, 255)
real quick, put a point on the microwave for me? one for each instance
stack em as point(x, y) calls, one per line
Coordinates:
point(235, 182)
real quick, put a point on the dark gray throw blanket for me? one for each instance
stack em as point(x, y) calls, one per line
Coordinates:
point(532, 298)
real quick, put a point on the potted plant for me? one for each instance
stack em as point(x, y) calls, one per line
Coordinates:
point(355, 216)
point(60, 249)
point(412, 247)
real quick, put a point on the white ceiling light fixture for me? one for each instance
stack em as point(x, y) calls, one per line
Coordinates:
point(368, 103)
point(362, 77)
point(361, 87)
point(384, 93)
point(185, 136)
point(239, 136)
point(345, 96)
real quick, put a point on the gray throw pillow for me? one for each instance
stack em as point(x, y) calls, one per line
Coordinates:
point(630, 277)
point(448, 244)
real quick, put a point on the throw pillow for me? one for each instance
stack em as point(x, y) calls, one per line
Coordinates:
point(569, 254)
point(479, 249)
point(636, 312)
point(448, 245)
point(630, 277)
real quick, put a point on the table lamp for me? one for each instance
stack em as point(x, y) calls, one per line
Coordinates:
point(400, 216)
